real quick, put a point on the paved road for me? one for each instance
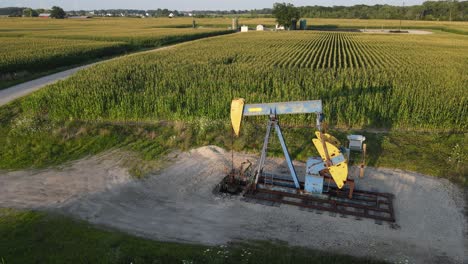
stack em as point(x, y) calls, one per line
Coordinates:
point(17, 91)
point(20, 90)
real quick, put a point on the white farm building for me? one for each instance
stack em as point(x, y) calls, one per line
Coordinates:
point(260, 27)
point(244, 29)
point(279, 27)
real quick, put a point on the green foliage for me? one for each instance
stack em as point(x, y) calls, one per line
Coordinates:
point(19, 56)
point(365, 81)
point(36, 237)
point(32, 141)
point(458, 159)
point(28, 12)
point(179, 98)
point(39, 144)
point(11, 11)
point(428, 153)
point(22, 50)
point(285, 14)
point(429, 10)
point(57, 13)
point(438, 154)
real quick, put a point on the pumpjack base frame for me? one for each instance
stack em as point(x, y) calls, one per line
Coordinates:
point(363, 204)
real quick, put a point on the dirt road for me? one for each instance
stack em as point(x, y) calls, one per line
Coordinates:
point(178, 204)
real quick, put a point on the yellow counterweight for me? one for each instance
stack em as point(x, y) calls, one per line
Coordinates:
point(329, 138)
point(338, 170)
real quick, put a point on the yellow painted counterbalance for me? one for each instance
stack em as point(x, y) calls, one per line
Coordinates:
point(329, 138)
point(339, 167)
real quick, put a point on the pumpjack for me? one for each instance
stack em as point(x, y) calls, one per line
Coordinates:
point(326, 185)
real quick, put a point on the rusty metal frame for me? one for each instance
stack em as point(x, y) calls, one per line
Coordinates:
point(365, 204)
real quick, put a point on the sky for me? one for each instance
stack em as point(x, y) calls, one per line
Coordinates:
point(186, 5)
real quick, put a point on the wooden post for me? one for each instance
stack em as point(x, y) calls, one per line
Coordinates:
point(363, 161)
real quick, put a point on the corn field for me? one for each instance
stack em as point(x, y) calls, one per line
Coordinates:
point(137, 38)
point(31, 26)
point(31, 54)
point(38, 45)
point(365, 81)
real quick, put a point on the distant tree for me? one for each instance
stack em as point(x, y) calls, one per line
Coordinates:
point(165, 12)
point(57, 13)
point(11, 11)
point(253, 13)
point(28, 12)
point(285, 14)
point(452, 5)
point(429, 10)
point(429, 17)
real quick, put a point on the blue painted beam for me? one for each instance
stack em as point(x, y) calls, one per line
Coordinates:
point(299, 107)
point(286, 155)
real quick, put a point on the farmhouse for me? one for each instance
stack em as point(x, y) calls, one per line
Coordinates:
point(44, 15)
point(244, 29)
point(260, 27)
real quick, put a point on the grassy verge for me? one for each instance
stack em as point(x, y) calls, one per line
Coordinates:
point(31, 142)
point(443, 155)
point(38, 237)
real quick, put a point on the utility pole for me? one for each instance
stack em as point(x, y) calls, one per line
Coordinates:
point(450, 9)
point(401, 16)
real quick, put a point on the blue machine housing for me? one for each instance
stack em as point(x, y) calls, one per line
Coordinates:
point(313, 184)
point(313, 180)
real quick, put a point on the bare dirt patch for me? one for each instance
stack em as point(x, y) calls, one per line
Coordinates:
point(53, 187)
point(178, 204)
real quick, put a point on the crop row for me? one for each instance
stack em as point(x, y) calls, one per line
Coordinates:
point(137, 38)
point(416, 82)
point(43, 50)
point(32, 54)
point(330, 51)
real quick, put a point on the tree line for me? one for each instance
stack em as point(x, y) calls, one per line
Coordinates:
point(430, 10)
point(448, 10)
point(55, 12)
